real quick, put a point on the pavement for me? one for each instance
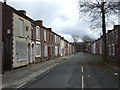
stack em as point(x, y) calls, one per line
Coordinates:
point(81, 71)
point(21, 76)
point(110, 63)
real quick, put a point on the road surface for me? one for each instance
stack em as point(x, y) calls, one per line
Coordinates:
point(80, 71)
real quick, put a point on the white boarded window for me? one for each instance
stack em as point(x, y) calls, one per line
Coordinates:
point(45, 38)
point(109, 50)
point(113, 49)
point(21, 27)
point(37, 50)
point(37, 32)
point(56, 50)
point(55, 39)
point(45, 51)
point(21, 50)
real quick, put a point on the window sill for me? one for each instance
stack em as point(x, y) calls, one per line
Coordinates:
point(22, 36)
point(21, 60)
point(38, 56)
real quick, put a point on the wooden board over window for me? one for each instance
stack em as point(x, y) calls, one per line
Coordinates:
point(21, 50)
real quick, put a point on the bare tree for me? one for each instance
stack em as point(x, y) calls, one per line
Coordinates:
point(75, 37)
point(75, 43)
point(86, 38)
point(98, 12)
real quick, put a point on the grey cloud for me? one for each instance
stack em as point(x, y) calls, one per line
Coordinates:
point(48, 12)
point(45, 11)
point(63, 17)
point(79, 28)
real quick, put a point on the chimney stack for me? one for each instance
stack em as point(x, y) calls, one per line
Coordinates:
point(5, 1)
point(22, 11)
point(116, 27)
point(49, 29)
point(39, 22)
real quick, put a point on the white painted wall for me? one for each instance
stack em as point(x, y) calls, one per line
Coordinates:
point(38, 49)
point(56, 50)
point(94, 48)
point(62, 46)
point(45, 51)
point(25, 41)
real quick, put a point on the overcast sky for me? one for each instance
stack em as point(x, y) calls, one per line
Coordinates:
point(60, 15)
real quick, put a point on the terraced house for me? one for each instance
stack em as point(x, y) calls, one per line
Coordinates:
point(17, 41)
point(26, 41)
point(113, 44)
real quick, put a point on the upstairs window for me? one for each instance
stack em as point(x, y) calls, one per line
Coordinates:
point(45, 51)
point(116, 35)
point(55, 38)
point(21, 27)
point(37, 32)
point(45, 36)
point(49, 36)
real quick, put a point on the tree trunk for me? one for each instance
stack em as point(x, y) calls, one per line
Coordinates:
point(104, 33)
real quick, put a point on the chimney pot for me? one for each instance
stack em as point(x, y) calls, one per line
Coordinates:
point(22, 11)
point(39, 22)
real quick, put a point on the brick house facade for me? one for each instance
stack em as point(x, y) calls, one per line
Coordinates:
point(26, 41)
point(112, 42)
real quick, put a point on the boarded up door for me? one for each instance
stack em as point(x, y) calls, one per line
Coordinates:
point(49, 52)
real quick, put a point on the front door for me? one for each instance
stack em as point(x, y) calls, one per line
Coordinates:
point(33, 55)
point(49, 52)
point(28, 53)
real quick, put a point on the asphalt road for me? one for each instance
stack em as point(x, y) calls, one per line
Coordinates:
point(80, 71)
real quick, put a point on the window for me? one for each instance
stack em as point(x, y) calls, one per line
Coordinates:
point(38, 50)
point(52, 51)
point(116, 35)
point(45, 51)
point(37, 32)
point(21, 27)
point(49, 37)
point(52, 37)
point(56, 50)
point(21, 50)
point(109, 50)
point(113, 49)
point(62, 50)
point(45, 36)
point(55, 39)
point(113, 38)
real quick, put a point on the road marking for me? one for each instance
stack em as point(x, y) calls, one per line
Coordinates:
point(88, 75)
point(21, 85)
point(82, 68)
point(32, 75)
point(116, 74)
point(82, 82)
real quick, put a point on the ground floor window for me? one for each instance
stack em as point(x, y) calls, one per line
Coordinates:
point(109, 51)
point(21, 50)
point(45, 50)
point(38, 50)
point(113, 49)
point(52, 50)
point(56, 50)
